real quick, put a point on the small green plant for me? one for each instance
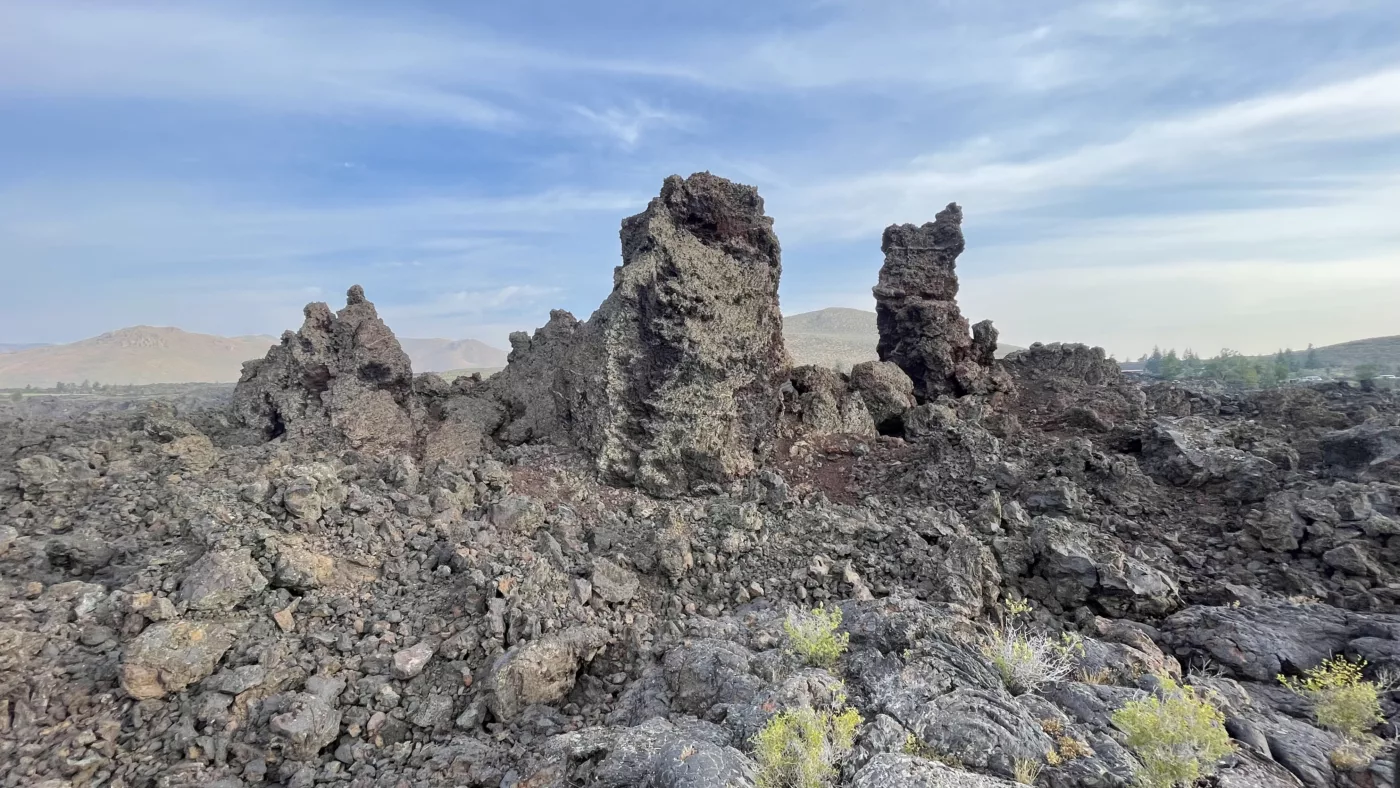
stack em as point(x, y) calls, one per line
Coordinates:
point(1343, 700)
point(1024, 771)
point(918, 748)
point(1026, 659)
point(813, 637)
point(1178, 734)
point(1351, 756)
point(800, 748)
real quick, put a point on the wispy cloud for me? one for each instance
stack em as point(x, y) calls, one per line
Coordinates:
point(1178, 150)
point(627, 125)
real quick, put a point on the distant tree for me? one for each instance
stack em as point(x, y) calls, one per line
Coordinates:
point(1367, 372)
point(1170, 366)
point(1154, 362)
point(1312, 361)
point(18, 396)
point(60, 386)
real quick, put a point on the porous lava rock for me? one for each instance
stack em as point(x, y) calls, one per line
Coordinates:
point(921, 328)
point(674, 380)
point(342, 380)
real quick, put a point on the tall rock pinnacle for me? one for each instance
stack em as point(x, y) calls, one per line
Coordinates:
point(674, 379)
point(921, 328)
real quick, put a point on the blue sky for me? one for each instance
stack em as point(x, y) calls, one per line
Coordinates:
point(1133, 172)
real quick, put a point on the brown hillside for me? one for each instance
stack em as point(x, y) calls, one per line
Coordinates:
point(837, 337)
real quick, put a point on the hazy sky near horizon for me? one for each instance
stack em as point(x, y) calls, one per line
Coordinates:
point(1188, 173)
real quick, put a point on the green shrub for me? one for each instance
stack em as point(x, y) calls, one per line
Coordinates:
point(812, 636)
point(1343, 700)
point(800, 748)
point(1025, 659)
point(1178, 735)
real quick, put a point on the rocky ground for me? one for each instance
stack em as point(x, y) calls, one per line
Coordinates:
point(577, 572)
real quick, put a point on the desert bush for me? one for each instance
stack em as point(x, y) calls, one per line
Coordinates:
point(812, 636)
point(1025, 771)
point(800, 748)
point(1343, 700)
point(1177, 734)
point(1026, 659)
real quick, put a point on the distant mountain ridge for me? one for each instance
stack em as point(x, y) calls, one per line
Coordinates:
point(838, 337)
point(142, 355)
point(15, 348)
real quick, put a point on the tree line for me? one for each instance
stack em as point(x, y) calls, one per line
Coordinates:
point(1235, 368)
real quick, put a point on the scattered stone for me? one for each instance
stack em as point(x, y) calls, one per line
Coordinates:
point(221, 579)
point(411, 661)
point(169, 656)
point(541, 671)
point(613, 583)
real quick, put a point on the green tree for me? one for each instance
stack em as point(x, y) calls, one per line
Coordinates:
point(17, 397)
point(1367, 372)
point(1170, 368)
point(60, 387)
point(1154, 362)
point(1312, 361)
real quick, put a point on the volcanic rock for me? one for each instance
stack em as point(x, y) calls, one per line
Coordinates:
point(343, 379)
point(541, 671)
point(674, 380)
point(169, 656)
point(221, 579)
point(916, 308)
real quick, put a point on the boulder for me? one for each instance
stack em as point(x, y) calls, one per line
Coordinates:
point(221, 579)
point(827, 405)
point(171, 655)
point(886, 391)
point(1360, 450)
point(540, 671)
point(1186, 453)
point(916, 308)
point(613, 583)
point(306, 725)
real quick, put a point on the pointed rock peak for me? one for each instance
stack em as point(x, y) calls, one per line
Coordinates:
point(916, 308)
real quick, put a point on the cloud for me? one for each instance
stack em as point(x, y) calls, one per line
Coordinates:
point(1195, 147)
point(627, 125)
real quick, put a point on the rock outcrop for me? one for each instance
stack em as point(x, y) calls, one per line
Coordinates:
point(674, 380)
point(342, 380)
point(921, 327)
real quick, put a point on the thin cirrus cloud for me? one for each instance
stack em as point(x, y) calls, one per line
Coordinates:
point(180, 160)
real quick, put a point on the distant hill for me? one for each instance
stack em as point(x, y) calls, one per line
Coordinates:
point(838, 337)
point(1384, 352)
point(151, 354)
point(137, 355)
point(17, 348)
point(441, 355)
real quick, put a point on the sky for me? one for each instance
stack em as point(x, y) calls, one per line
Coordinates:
point(1133, 173)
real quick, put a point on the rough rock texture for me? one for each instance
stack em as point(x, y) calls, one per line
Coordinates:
point(541, 671)
point(674, 380)
point(342, 380)
point(168, 657)
point(1072, 387)
point(921, 328)
point(220, 580)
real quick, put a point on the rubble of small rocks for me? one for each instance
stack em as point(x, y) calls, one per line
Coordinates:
point(342, 574)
